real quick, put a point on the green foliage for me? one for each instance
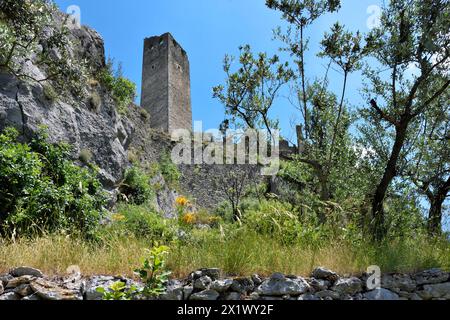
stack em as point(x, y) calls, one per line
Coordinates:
point(303, 13)
point(169, 170)
point(249, 93)
point(153, 271)
point(274, 219)
point(42, 190)
point(24, 26)
point(122, 89)
point(398, 97)
point(143, 222)
point(136, 186)
point(50, 93)
point(118, 291)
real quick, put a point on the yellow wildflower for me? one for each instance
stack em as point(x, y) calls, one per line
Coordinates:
point(189, 218)
point(182, 201)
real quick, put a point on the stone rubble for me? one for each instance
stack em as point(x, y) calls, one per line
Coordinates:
point(26, 283)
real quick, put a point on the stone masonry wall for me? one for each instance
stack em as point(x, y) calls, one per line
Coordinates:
point(26, 283)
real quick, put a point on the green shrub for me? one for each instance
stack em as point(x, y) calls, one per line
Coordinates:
point(275, 219)
point(49, 93)
point(136, 186)
point(224, 211)
point(118, 291)
point(169, 170)
point(143, 222)
point(122, 89)
point(42, 190)
point(153, 271)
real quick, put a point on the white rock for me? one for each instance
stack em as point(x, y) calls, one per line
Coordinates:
point(91, 292)
point(33, 297)
point(308, 297)
point(221, 285)
point(349, 286)
point(381, 294)
point(327, 295)
point(174, 291)
point(10, 296)
point(51, 291)
point(280, 286)
point(202, 283)
point(205, 295)
point(324, 274)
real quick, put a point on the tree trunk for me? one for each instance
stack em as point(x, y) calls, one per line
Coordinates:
point(378, 227)
point(435, 213)
point(435, 217)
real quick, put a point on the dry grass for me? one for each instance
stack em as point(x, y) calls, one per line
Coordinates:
point(54, 254)
point(239, 256)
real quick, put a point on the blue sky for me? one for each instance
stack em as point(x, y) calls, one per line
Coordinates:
point(208, 29)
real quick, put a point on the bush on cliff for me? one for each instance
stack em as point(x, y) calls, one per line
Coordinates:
point(136, 188)
point(42, 190)
point(122, 89)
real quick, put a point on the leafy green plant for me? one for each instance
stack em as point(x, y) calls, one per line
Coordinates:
point(153, 271)
point(169, 170)
point(42, 190)
point(118, 291)
point(50, 93)
point(136, 186)
point(123, 90)
point(275, 219)
point(144, 223)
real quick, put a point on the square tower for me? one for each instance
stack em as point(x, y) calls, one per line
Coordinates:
point(166, 85)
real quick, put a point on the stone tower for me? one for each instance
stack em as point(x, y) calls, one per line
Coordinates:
point(166, 87)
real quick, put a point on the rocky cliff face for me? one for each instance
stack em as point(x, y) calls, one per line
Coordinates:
point(99, 131)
